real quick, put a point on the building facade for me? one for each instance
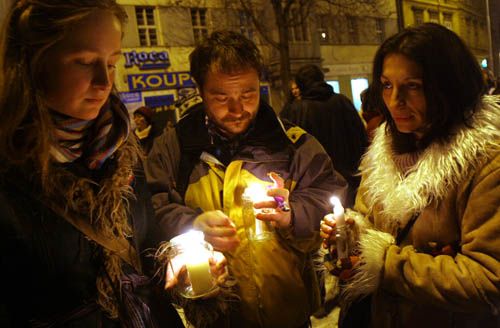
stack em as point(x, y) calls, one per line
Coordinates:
point(158, 39)
point(161, 34)
point(349, 40)
point(467, 18)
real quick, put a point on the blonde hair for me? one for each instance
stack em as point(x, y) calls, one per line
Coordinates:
point(31, 28)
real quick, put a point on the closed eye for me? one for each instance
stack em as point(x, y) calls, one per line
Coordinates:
point(221, 99)
point(413, 85)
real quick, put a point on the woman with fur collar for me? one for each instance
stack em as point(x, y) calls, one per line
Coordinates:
point(426, 226)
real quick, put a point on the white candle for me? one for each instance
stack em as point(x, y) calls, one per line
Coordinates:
point(338, 211)
point(340, 229)
point(258, 226)
point(199, 272)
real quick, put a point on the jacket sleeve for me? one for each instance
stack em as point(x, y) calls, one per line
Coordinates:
point(161, 169)
point(468, 281)
point(314, 182)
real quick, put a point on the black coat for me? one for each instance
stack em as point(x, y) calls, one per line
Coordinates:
point(49, 268)
point(333, 120)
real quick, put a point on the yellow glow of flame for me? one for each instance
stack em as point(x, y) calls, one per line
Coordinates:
point(256, 192)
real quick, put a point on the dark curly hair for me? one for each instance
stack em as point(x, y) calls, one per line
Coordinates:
point(224, 51)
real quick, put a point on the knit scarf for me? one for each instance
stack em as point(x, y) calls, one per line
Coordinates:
point(93, 140)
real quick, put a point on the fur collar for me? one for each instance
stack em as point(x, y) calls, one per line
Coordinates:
point(440, 167)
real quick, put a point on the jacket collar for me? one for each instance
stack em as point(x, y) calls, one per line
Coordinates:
point(441, 166)
point(194, 136)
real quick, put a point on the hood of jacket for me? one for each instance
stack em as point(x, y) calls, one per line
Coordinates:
point(321, 91)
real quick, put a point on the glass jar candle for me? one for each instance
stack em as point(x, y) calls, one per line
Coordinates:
point(258, 230)
point(190, 257)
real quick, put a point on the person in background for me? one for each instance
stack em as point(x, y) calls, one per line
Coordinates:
point(371, 115)
point(75, 214)
point(293, 95)
point(492, 87)
point(199, 170)
point(294, 90)
point(427, 218)
point(333, 120)
point(143, 117)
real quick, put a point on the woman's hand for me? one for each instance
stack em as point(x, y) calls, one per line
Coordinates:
point(177, 273)
point(328, 231)
point(340, 267)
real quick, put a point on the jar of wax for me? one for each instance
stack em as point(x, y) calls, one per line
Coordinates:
point(190, 257)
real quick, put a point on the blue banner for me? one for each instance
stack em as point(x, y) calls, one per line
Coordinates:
point(130, 97)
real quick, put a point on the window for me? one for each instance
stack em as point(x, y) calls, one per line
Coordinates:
point(418, 16)
point(380, 29)
point(434, 17)
point(146, 26)
point(246, 25)
point(352, 29)
point(447, 21)
point(323, 29)
point(337, 28)
point(335, 85)
point(476, 36)
point(299, 30)
point(357, 86)
point(199, 23)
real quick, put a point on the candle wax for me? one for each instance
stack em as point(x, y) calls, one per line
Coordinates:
point(199, 274)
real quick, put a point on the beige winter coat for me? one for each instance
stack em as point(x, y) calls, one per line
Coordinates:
point(455, 191)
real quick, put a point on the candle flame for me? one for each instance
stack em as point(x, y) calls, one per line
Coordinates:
point(256, 192)
point(335, 201)
point(189, 238)
point(337, 205)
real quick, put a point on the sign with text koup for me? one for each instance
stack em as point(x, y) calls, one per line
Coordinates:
point(159, 81)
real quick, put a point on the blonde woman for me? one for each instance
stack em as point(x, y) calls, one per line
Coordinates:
point(74, 210)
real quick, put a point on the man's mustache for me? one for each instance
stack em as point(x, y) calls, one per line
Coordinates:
point(230, 118)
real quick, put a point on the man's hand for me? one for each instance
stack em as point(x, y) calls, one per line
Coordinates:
point(276, 211)
point(219, 231)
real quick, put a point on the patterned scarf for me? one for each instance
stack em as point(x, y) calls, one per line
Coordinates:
point(95, 140)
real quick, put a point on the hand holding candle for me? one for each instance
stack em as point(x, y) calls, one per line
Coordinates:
point(189, 268)
point(340, 229)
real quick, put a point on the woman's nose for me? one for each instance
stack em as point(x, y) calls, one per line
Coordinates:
point(397, 97)
point(101, 77)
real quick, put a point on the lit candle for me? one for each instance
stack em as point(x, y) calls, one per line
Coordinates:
point(340, 229)
point(255, 193)
point(199, 272)
point(338, 211)
point(196, 258)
